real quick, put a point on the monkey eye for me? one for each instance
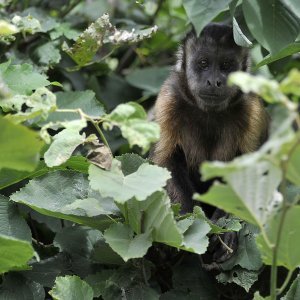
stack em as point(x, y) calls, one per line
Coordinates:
point(203, 64)
point(225, 66)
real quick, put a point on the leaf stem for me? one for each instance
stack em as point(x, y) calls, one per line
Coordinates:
point(285, 208)
point(226, 246)
point(286, 282)
point(90, 119)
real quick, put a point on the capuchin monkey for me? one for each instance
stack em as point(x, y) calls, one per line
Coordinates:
point(203, 119)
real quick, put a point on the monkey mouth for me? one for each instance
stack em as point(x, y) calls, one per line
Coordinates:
point(212, 102)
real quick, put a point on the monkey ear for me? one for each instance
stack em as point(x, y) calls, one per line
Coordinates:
point(189, 43)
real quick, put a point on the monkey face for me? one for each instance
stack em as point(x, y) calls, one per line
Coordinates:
point(209, 60)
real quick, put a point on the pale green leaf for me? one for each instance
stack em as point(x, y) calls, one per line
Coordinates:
point(27, 24)
point(289, 247)
point(7, 29)
point(71, 288)
point(22, 79)
point(132, 120)
point(141, 184)
point(64, 143)
point(48, 54)
point(122, 240)
point(20, 147)
point(155, 214)
point(52, 195)
point(14, 253)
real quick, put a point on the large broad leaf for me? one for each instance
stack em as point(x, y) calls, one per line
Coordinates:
point(59, 194)
point(64, 143)
point(251, 194)
point(286, 51)
point(122, 240)
point(294, 291)
point(9, 176)
point(289, 246)
point(272, 23)
point(202, 12)
point(20, 147)
point(141, 184)
point(22, 79)
point(11, 222)
point(71, 288)
point(155, 215)
point(85, 100)
point(48, 54)
point(131, 118)
point(16, 286)
point(14, 253)
point(148, 79)
point(293, 169)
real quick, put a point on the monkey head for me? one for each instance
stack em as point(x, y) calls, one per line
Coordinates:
point(206, 61)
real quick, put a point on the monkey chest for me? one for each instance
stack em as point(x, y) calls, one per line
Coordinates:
point(210, 143)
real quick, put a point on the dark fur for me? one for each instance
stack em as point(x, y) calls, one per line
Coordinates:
point(192, 128)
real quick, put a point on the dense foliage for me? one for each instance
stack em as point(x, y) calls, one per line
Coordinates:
point(83, 213)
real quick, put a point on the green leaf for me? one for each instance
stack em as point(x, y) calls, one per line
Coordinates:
point(222, 196)
point(52, 195)
point(14, 253)
point(88, 43)
point(77, 240)
point(65, 142)
point(294, 291)
point(22, 79)
point(27, 24)
point(252, 194)
point(286, 51)
point(195, 236)
point(71, 288)
point(141, 184)
point(98, 281)
point(26, 289)
point(202, 12)
point(289, 247)
point(64, 29)
point(40, 103)
point(132, 120)
point(130, 162)
point(7, 29)
point(267, 89)
point(273, 24)
point(155, 214)
point(290, 84)
point(293, 168)
point(48, 54)
point(20, 147)
point(239, 276)
point(247, 255)
point(11, 222)
point(85, 100)
point(148, 79)
point(239, 36)
point(122, 240)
